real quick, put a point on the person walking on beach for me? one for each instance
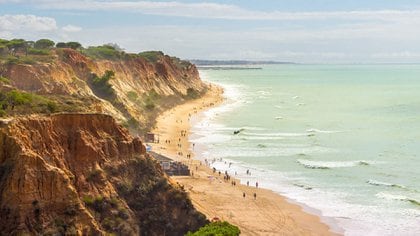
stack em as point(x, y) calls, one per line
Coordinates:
point(255, 196)
point(243, 194)
point(247, 183)
point(256, 184)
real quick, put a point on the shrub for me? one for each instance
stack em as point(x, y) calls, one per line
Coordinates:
point(26, 103)
point(15, 97)
point(52, 106)
point(3, 42)
point(192, 93)
point(19, 60)
point(151, 56)
point(94, 175)
point(150, 99)
point(102, 85)
point(4, 80)
point(133, 123)
point(103, 52)
point(132, 96)
point(27, 60)
point(12, 60)
point(88, 200)
point(217, 229)
point(35, 51)
point(149, 104)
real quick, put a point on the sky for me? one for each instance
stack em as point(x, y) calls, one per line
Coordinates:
point(302, 31)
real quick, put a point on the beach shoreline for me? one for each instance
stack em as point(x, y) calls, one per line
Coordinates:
point(267, 213)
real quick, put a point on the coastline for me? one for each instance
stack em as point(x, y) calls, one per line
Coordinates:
point(269, 214)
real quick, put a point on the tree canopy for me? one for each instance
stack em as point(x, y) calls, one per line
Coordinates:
point(44, 44)
point(72, 45)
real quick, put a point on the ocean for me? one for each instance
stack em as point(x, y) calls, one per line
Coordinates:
point(342, 140)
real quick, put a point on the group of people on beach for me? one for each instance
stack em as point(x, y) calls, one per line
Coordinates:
point(227, 177)
point(244, 195)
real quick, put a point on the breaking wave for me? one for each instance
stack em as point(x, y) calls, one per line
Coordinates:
point(330, 164)
point(389, 196)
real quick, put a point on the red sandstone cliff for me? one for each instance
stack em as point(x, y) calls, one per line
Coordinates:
point(70, 73)
point(84, 174)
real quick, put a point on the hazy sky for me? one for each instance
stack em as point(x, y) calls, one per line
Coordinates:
point(311, 31)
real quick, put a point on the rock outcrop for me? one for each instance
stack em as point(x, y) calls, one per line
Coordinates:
point(84, 174)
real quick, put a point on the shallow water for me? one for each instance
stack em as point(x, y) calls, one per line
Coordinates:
point(343, 139)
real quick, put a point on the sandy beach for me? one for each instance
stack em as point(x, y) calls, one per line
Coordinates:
point(267, 214)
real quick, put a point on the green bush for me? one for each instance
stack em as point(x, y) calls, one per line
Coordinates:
point(150, 99)
point(3, 41)
point(151, 56)
point(10, 60)
point(149, 104)
point(88, 200)
point(35, 51)
point(4, 80)
point(15, 97)
point(52, 106)
point(102, 85)
point(132, 96)
point(192, 93)
point(25, 102)
point(133, 123)
point(19, 60)
point(27, 60)
point(103, 52)
point(180, 64)
point(217, 229)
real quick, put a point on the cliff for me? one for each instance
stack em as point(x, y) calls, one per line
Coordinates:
point(84, 174)
point(136, 91)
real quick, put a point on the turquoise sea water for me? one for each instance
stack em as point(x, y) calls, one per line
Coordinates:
point(342, 139)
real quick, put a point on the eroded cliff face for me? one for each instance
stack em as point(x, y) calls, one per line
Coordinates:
point(84, 174)
point(71, 73)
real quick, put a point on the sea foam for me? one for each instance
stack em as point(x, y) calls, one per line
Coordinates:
point(330, 164)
